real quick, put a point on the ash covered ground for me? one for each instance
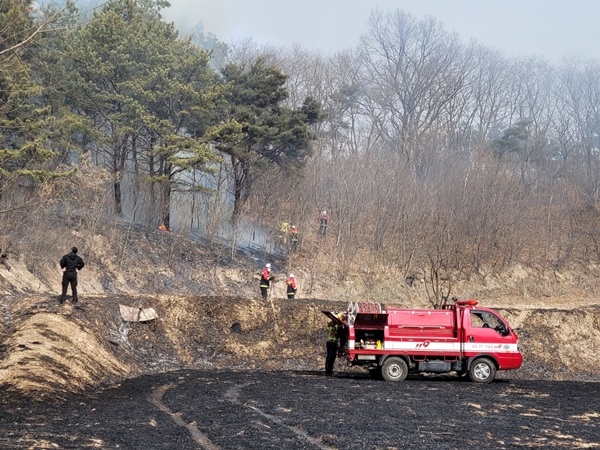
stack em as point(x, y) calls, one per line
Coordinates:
point(192, 409)
point(243, 373)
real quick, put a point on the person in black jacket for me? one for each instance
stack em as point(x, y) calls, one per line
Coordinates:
point(71, 263)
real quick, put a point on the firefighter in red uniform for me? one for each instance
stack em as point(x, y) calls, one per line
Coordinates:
point(265, 280)
point(291, 287)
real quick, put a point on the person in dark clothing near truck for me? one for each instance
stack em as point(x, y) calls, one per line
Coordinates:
point(337, 340)
point(332, 347)
point(71, 263)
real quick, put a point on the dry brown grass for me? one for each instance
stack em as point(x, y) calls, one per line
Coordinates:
point(199, 294)
point(52, 349)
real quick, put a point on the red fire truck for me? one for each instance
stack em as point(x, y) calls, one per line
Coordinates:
point(461, 337)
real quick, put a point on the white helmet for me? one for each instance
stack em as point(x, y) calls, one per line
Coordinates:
point(268, 266)
point(291, 275)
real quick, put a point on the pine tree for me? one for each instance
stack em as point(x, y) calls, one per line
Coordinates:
point(29, 131)
point(257, 130)
point(144, 89)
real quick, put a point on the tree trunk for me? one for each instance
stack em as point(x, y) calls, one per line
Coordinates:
point(166, 204)
point(239, 187)
point(117, 192)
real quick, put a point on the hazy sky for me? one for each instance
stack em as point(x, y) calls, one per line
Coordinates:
point(550, 28)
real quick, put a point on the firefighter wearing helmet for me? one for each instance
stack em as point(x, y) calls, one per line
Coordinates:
point(291, 287)
point(265, 280)
point(294, 238)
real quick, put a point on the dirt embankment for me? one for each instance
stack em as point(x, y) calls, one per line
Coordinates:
point(49, 349)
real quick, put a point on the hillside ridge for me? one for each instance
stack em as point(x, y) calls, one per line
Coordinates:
point(50, 350)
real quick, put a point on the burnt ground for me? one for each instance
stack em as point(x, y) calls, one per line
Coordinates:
point(222, 368)
point(242, 373)
point(192, 409)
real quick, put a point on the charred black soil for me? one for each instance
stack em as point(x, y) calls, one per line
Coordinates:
point(305, 410)
point(242, 373)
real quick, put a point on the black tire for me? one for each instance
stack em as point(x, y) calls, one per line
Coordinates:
point(482, 370)
point(394, 369)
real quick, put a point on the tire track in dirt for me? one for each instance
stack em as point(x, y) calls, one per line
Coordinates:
point(232, 396)
point(197, 435)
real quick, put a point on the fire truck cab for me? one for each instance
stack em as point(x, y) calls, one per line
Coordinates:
point(462, 338)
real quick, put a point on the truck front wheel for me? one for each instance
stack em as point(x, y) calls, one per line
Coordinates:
point(482, 370)
point(394, 369)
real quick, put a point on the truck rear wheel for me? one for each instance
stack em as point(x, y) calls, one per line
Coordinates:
point(482, 370)
point(394, 369)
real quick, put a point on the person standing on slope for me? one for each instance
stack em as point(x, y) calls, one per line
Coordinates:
point(284, 230)
point(265, 280)
point(323, 221)
point(291, 287)
point(294, 238)
point(70, 264)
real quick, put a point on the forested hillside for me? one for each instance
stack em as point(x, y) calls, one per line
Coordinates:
point(438, 161)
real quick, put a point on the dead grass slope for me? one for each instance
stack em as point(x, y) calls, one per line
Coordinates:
point(561, 344)
point(49, 350)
